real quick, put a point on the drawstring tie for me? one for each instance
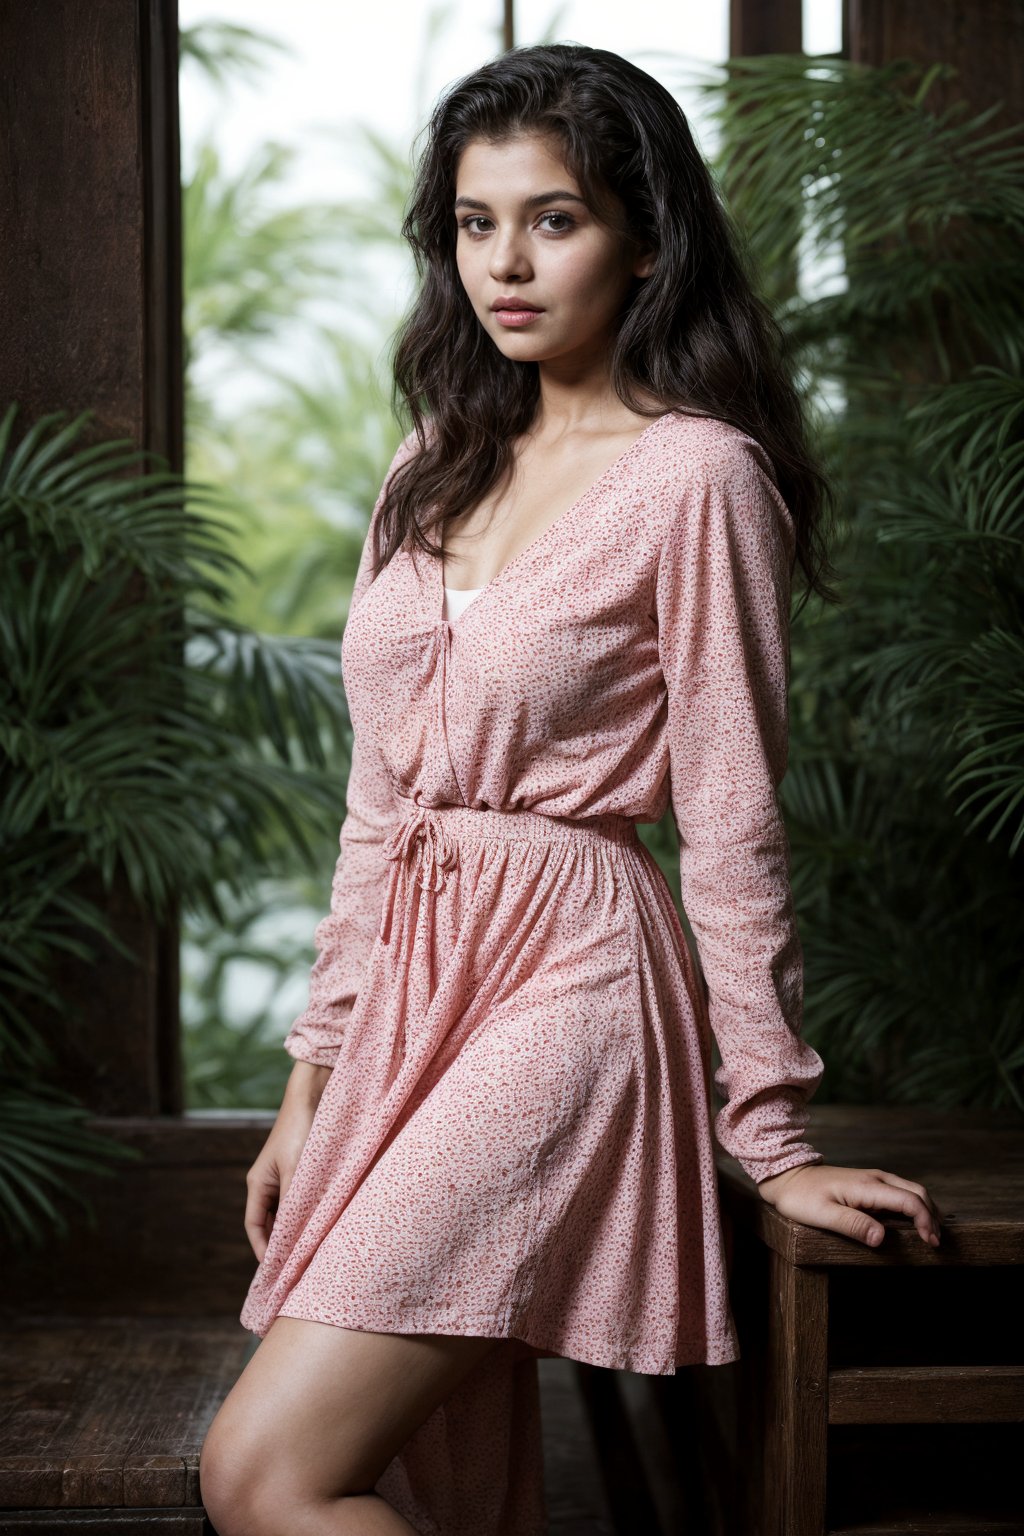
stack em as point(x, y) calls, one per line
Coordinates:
point(437, 854)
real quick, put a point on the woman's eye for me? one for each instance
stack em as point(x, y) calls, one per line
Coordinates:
point(567, 224)
point(472, 220)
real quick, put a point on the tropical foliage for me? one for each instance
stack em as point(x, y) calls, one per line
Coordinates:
point(905, 795)
point(146, 738)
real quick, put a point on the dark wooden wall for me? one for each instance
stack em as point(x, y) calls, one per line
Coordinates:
point(984, 40)
point(90, 288)
point(765, 26)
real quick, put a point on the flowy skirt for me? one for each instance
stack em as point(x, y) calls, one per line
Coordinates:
point(515, 1141)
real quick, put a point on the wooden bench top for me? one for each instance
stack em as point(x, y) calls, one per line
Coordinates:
point(970, 1161)
point(111, 1412)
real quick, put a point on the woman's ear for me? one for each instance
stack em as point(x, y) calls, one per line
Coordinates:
point(645, 264)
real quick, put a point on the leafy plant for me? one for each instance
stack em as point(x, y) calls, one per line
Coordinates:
point(144, 737)
point(905, 795)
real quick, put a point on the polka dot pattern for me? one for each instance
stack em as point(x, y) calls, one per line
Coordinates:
point(517, 1136)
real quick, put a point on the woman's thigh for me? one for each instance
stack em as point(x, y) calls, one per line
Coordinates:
point(319, 1411)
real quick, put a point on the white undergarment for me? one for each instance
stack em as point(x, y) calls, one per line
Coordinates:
point(457, 599)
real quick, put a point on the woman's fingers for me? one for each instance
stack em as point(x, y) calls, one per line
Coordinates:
point(917, 1189)
point(261, 1192)
point(887, 1192)
point(841, 1199)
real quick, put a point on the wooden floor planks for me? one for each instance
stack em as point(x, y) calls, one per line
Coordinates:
point(108, 1412)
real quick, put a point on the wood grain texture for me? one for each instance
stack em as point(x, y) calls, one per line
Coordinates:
point(984, 41)
point(90, 273)
point(938, 1525)
point(765, 26)
point(980, 1394)
point(111, 1412)
point(881, 1390)
point(102, 1423)
point(169, 1236)
point(100, 1522)
point(797, 1401)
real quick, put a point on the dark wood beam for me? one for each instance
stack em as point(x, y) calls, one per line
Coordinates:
point(90, 278)
point(984, 41)
point(765, 26)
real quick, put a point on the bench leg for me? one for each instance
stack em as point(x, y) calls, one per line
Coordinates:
point(796, 1429)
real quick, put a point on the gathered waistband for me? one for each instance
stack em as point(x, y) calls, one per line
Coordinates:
point(466, 821)
point(433, 832)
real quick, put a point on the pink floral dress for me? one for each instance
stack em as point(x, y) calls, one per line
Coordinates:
point(517, 1137)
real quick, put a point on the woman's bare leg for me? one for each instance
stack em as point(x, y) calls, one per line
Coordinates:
point(318, 1413)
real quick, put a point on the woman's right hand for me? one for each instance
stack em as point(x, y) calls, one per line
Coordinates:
point(270, 1175)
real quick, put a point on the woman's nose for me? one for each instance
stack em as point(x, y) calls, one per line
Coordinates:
point(507, 257)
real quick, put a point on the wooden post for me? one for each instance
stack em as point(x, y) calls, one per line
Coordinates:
point(765, 26)
point(797, 1401)
point(984, 41)
point(769, 26)
point(90, 274)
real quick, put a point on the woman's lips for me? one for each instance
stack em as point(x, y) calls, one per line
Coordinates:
point(517, 317)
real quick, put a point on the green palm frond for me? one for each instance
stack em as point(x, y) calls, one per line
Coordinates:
point(223, 49)
point(905, 791)
point(231, 227)
point(45, 1143)
point(286, 686)
point(869, 158)
point(989, 737)
point(974, 418)
point(145, 737)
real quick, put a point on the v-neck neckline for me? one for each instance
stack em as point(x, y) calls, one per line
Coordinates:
point(483, 592)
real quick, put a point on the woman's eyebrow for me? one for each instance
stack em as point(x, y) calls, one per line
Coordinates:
point(529, 202)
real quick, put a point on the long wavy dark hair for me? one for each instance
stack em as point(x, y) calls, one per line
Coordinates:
point(695, 334)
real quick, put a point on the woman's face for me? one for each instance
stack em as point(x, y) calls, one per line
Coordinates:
point(525, 234)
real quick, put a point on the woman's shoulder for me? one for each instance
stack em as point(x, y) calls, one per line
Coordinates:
point(699, 447)
point(703, 479)
point(410, 445)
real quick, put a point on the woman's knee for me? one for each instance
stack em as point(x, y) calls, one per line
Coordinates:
point(318, 1414)
point(228, 1477)
point(254, 1485)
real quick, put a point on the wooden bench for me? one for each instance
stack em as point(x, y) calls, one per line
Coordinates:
point(105, 1418)
point(881, 1391)
point(118, 1344)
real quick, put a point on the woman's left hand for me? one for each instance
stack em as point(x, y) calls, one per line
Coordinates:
point(837, 1199)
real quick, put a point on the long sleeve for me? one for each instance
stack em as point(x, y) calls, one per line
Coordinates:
point(723, 598)
point(344, 937)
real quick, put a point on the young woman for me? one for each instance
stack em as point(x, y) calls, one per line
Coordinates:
point(571, 611)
